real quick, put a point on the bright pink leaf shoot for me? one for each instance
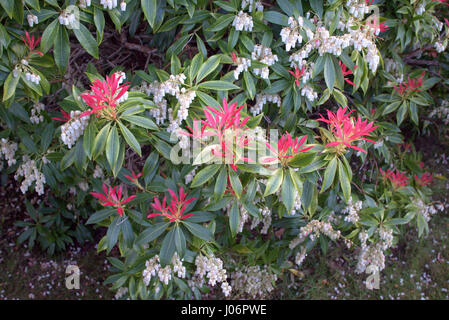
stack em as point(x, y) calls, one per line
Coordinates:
point(425, 180)
point(297, 74)
point(346, 71)
point(112, 197)
point(411, 86)
point(286, 148)
point(135, 177)
point(104, 96)
point(175, 210)
point(398, 179)
point(347, 129)
point(66, 117)
point(224, 123)
point(31, 43)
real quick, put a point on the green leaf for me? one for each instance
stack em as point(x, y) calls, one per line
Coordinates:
point(168, 247)
point(402, 112)
point(288, 192)
point(9, 88)
point(205, 175)
point(234, 219)
point(198, 231)
point(221, 23)
point(86, 40)
point(180, 241)
point(149, 8)
point(112, 147)
point(151, 233)
point(274, 182)
point(208, 67)
point(414, 112)
point(49, 35)
point(100, 141)
point(130, 139)
point(329, 72)
point(249, 84)
point(141, 122)
point(329, 175)
point(235, 183)
point(218, 85)
point(221, 184)
point(345, 183)
point(61, 50)
point(113, 233)
point(89, 139)
point(195, 66)
point(302, 159)
point(100, 216)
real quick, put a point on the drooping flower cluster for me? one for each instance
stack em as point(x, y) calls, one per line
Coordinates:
point(347, 129)
point(313, 230)
point(67, 19)
point(262, 99)
point(211, 269)
point(73, 127)
point(243, 22)
point(266, 220)
point(358, 8)
point(8, 150)
point(172, 86)
point(85, 3)
point(104, 97)
point(36, 116)
point(242, 65)
point(253, 282)
point(252, 4)
point(29, 171)
point(111, 4)
point(165, 274)
point(352, 211)
point(291, 35)
point(32, 19)
point(175, 210)
point(398, 179)
point(113, 198)
point(286, 148)
point(263, 54)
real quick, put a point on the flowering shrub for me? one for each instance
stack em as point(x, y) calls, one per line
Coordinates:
point(260, 132)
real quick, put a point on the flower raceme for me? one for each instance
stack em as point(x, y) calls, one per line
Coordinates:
point(224, 123)
point(175, 210)
point(286, 148)
point(411, 86)
point(398, 179)
point(112, 197)
point(104, 96)
point(347, 129)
